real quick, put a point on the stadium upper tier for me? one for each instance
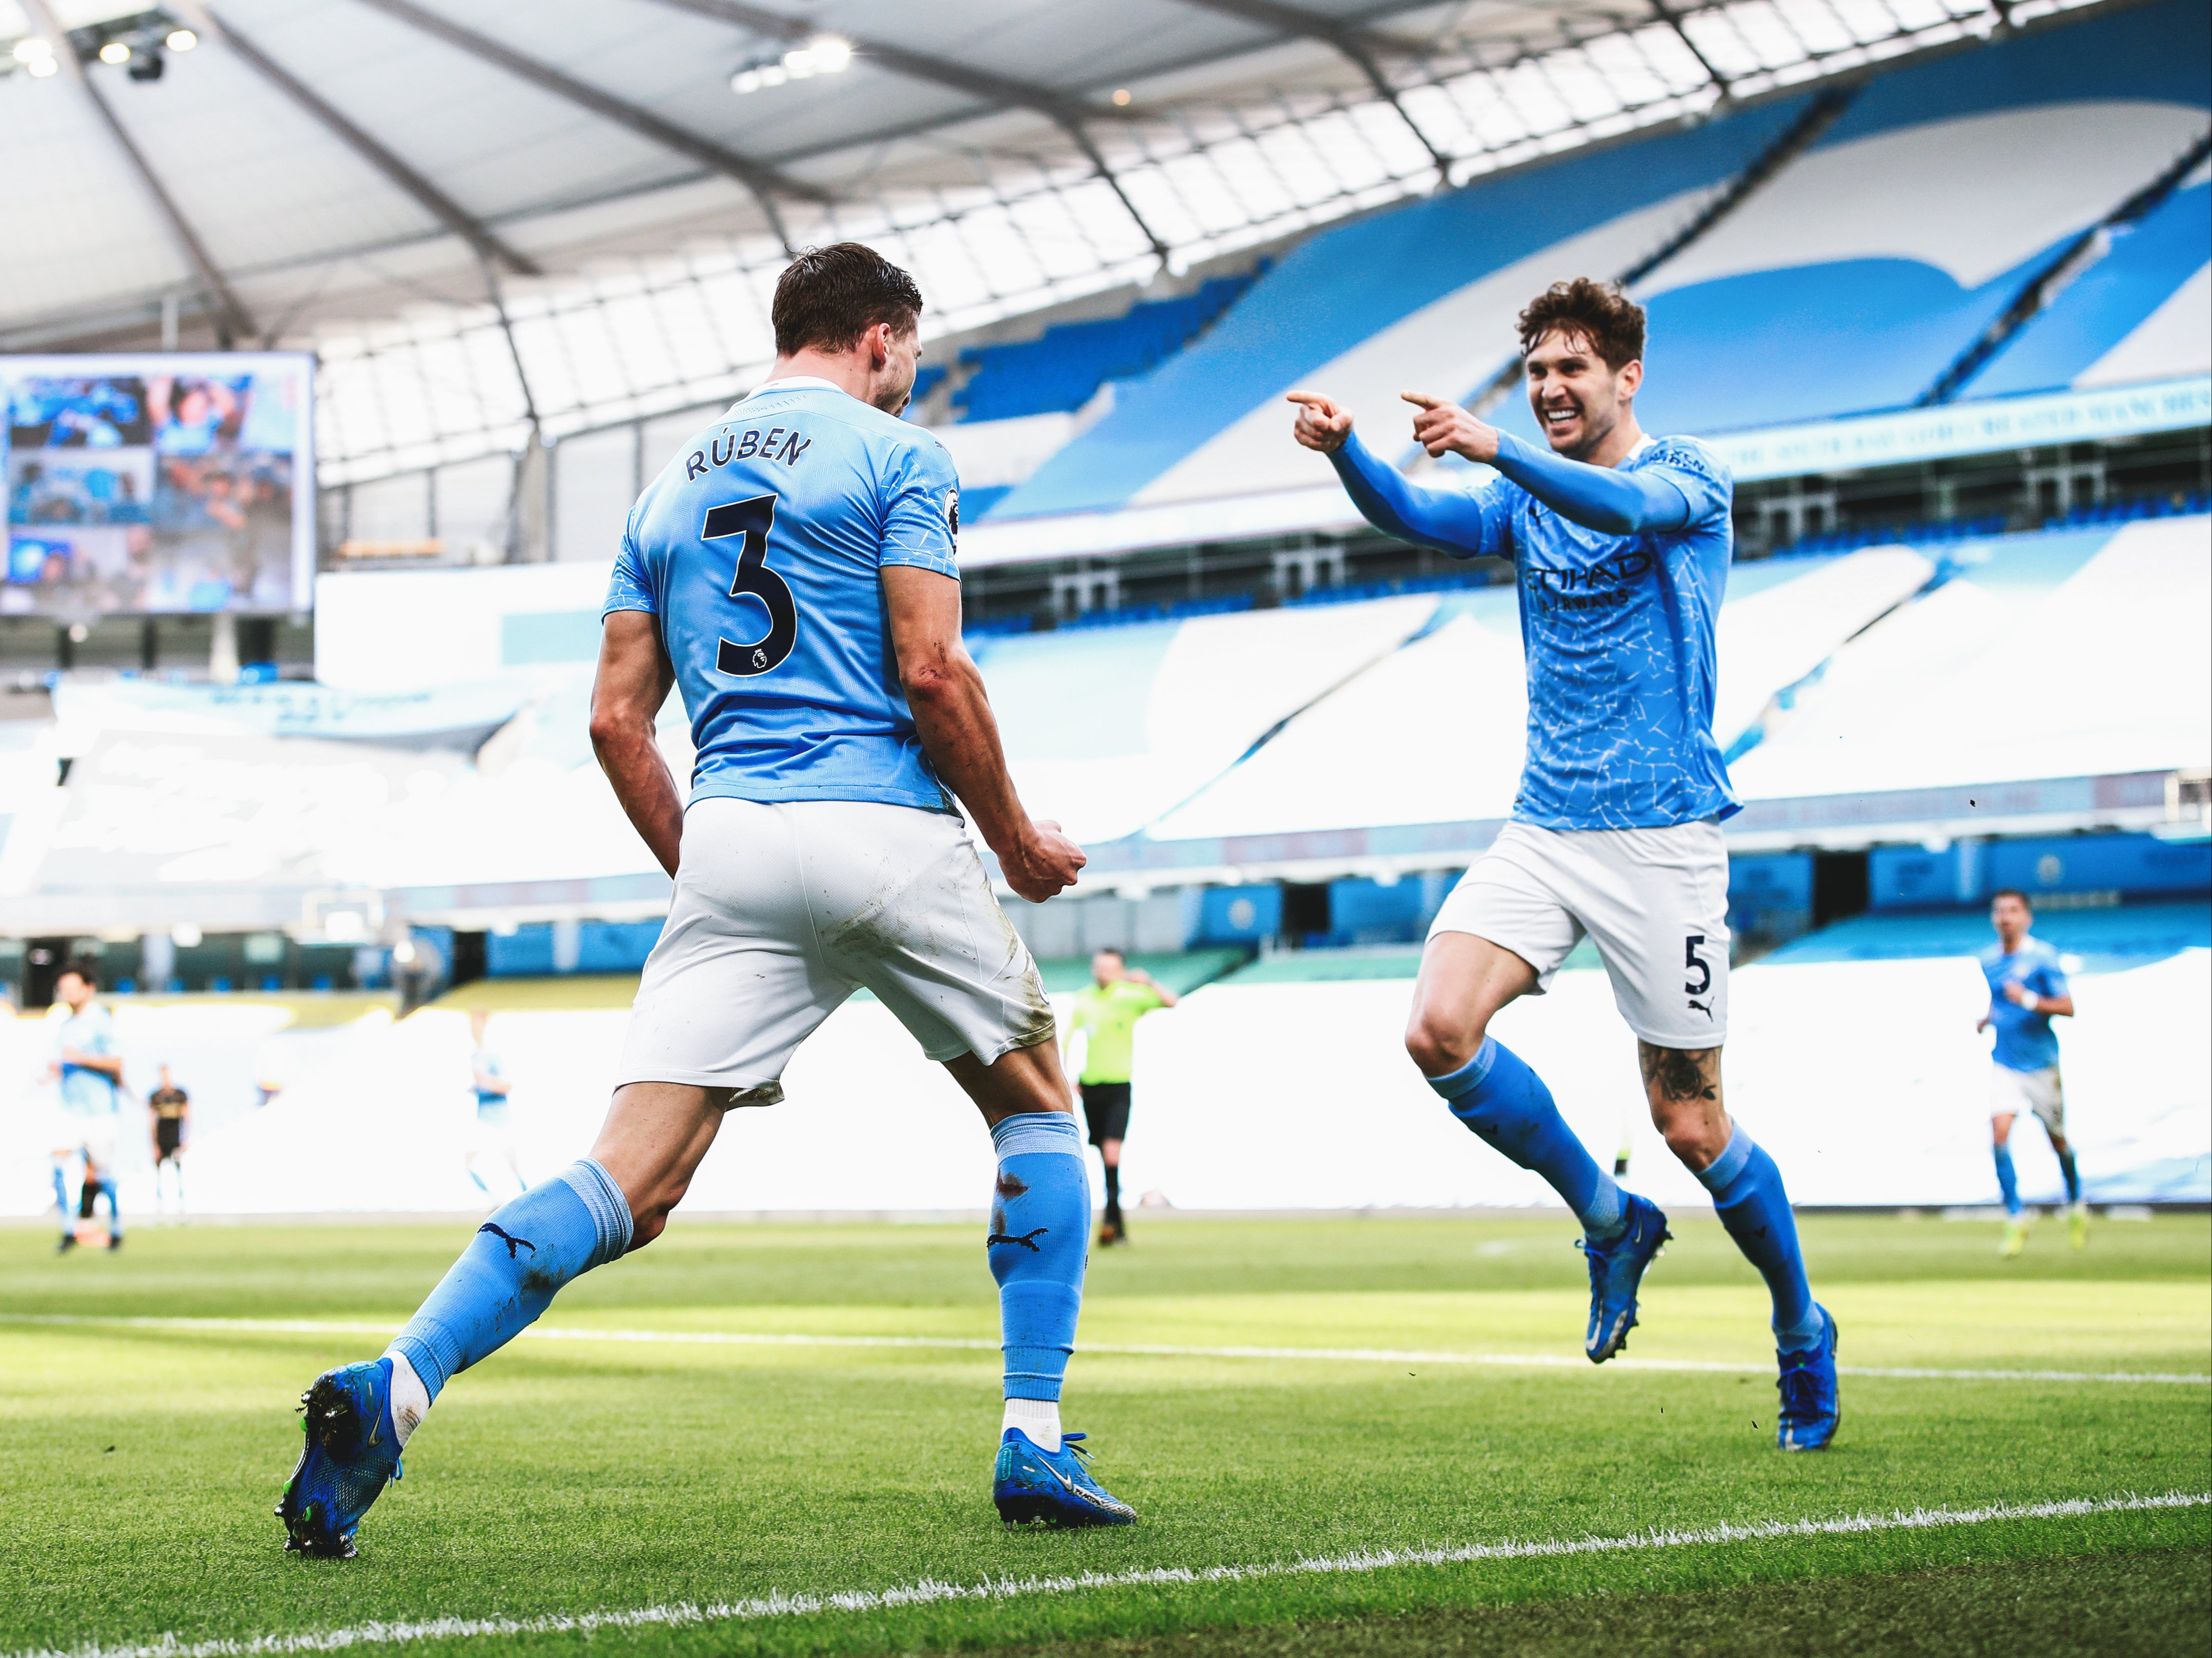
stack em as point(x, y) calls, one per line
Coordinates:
point(1886, 230)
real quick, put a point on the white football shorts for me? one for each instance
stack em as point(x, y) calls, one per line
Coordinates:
point(781, 911)
point(1655, 901)
point(2012, 1092)
point(95, 1138)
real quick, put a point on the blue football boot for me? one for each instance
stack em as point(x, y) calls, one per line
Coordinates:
point(1615, 1270)
point(1031, 1484)
point(1810, 1408)
point(351, 1454)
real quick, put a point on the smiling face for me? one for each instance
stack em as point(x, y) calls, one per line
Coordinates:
point(1578, 398)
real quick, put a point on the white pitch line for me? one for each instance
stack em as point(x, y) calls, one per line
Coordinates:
point(931, 1592)
point(957, 1344)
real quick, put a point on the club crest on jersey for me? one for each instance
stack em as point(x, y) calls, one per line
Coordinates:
point(952, 513)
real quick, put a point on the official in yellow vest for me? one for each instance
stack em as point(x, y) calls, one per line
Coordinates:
point(1106, 1012)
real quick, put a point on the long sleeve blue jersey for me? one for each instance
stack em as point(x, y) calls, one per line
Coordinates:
point(1622, 571)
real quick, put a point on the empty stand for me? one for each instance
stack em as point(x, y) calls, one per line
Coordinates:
point(2073, 653)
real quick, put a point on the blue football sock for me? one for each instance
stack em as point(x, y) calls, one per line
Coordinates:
point(1496, 1095)
point(114, 1209)
point(477, 1178)
point(61, 1196)
point(1747, 1195)
point(509, 1272)
point(2008, 1183)
point(2073, 1175)
point(1039, 1243)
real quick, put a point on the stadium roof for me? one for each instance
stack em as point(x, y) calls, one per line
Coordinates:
point(491, 220)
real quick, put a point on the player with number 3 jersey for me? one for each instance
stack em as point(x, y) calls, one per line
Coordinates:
point(1622, 546)
point(793, 573)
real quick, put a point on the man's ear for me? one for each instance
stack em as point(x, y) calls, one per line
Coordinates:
point(880, 346)
point(1630, 377)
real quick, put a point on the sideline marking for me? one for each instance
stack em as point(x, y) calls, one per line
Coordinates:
point(931, 1592)
point(958, 1344)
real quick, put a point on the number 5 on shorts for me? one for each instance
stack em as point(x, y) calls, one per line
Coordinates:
point(1698, 964)
point(753, 519)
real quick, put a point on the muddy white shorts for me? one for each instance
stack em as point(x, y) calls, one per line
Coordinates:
point(1653, 901)
point(781, 911)
point(2012, 1092)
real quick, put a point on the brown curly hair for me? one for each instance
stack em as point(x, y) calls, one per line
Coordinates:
point(1606, 318)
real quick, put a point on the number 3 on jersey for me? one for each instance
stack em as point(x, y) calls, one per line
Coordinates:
point(752, 520)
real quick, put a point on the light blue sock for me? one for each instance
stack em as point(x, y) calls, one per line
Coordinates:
point(2008, 1181)
point(2066, 1167)
point(1039, 1244)
point(61, 1196)
point(1747, 1195)
point(114, 1208)
point(477, 1178)
point(508, 1274)
point(1496, 1095)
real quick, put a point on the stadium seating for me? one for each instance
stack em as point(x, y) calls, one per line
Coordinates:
point(2098, 631)
point(1063, 367)
point(1828, 291)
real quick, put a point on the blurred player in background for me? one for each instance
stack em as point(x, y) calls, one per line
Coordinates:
point(170, 1105)
point(1106, 1012)
point(492, 1133)
point(1622, 545)
point(794, 571)
point(2027, 990)
point(89, 1073)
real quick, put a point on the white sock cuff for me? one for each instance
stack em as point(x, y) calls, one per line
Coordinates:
point(409, 1399)
point(1037, 1417)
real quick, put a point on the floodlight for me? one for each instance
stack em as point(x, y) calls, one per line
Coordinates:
point(185, 935)
point(182, 40)
point(798, 64)
point(31, 48)
point(42, 66)
point(115, 52)
point(1121, 97)
point(831, 54)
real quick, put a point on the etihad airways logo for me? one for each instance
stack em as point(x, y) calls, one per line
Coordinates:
point(1602, 585)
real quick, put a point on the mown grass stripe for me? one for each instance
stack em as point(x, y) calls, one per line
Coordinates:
point(929, 1592)
point(958, 1344)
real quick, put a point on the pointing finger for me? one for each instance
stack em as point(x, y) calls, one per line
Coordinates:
point(1423, 400)
point(1313, 400)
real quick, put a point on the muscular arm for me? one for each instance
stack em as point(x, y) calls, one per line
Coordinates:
point(952, 716)
point(633, 682)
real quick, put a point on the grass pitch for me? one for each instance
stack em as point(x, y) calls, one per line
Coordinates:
point(637, 1462)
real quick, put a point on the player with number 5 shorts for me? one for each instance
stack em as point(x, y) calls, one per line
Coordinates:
point(793, 572)
point(1621, 543)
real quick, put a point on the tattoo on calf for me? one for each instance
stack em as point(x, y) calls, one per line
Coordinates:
point(1681, 1073)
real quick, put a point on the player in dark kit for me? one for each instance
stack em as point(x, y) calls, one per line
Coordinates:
point(170, 1106)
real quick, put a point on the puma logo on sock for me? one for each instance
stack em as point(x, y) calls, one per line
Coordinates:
point(1023, 1240)
point(510, 1240)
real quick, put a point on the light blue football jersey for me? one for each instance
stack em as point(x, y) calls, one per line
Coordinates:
point(1618, 629)
point(2025, 1040)
point(758, 548)
point(86, 1092)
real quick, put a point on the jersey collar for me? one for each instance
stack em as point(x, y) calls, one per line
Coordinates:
point(795, 383)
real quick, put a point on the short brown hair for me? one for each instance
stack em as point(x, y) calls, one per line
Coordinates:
point(828, 297)
point(2025, 902)
point(1607, 320)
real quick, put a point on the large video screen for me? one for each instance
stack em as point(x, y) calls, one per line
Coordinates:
point(157, 483)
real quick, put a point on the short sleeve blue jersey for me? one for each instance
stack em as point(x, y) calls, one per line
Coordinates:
point(86, 1092)
point(1618, 605)
point(758, 549)
point(489, 1101)
point(2025, 1040)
